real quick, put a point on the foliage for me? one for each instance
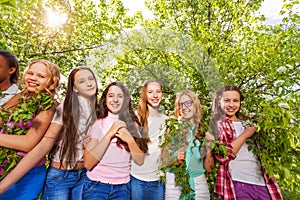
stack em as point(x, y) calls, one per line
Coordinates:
point(262, 60)
point(170, 144)
point(174, 140)
point(190, 44)
point(63, 31)
point(239, 48)
point(17, 121)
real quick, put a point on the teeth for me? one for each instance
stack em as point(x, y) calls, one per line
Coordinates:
point(33, 84)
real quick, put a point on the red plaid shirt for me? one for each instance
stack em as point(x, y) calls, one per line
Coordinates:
point(224, 184)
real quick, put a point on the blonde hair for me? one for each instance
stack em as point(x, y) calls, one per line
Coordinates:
point(53, 80)
point(196, 108)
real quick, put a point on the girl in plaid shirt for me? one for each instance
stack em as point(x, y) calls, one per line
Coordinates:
point(240, 174)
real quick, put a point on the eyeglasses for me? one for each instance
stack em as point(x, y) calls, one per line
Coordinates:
point(187, 103)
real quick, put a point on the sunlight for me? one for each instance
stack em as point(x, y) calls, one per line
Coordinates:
point(55, 19)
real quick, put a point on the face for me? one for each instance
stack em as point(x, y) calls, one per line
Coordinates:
point(85, 83)
point(230, 103)
point(5, 71)
point(114, 99)
point(186, 107)
point(154, 94)
point(36, 77)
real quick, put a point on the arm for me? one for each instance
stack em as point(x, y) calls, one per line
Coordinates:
point(33, 136)
point(136, 153)
point(240, 140)
point(173, 158)
point(95, 150)
point(32, 157)
point(226, 133)
point(209, 162)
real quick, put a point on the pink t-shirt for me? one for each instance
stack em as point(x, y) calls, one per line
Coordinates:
point(114, 168)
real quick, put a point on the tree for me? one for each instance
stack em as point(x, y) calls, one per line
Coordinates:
point(62, 31)
point(262, 60)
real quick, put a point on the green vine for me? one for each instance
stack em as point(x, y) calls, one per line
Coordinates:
point(17, 121)
point(171, 142)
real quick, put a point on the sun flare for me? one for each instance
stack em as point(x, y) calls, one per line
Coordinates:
point(55, 19)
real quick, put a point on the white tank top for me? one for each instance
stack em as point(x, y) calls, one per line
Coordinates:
point(246, 166)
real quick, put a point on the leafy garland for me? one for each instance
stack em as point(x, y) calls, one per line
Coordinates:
point(173, 141)
point(18, 121)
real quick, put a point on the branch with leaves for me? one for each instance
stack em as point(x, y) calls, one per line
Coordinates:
point(18, 121)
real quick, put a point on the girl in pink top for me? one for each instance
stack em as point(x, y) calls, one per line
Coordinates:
point(115, 139)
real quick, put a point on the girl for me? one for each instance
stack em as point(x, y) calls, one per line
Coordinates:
point(240, 175)
point(188, 151)
point(66, 172)
point(115, 137)
point(72, 118)
point(9, 76)
point(145, 182)
point(43, 76)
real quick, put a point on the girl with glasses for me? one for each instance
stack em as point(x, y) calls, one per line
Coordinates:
point(187, 151)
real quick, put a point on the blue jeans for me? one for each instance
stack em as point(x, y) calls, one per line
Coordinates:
point(103, 191)
point(152, 190)
point(64, 184)
point(28, 187)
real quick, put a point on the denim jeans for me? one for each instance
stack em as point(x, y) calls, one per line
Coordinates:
point(104, 191)
point(64, 184)
point(152, 190)
point(28, 187)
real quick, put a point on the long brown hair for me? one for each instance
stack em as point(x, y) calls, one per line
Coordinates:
point(143, 110)
point(217, 109)
point(71, 114)
point(127, 115)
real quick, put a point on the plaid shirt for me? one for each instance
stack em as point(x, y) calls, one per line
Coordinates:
point(224, 184)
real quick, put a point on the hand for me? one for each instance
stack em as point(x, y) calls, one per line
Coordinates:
point(124, 135)
point(86, 140)
point(181, 155)
point(209, 136)
point(117, 125)
point(249, 131)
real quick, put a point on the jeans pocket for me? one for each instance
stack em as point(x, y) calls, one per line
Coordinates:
point(56, 174)
point(88, 186)
point(126, 187)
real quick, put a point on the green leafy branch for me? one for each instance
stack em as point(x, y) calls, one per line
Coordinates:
point(171, 142)
point(17, 121)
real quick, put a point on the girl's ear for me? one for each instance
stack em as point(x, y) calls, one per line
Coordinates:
point(11, 70)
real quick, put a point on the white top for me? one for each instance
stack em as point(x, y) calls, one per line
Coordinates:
point(8, 94)
point(85, 112)
point(246, 166)
point(149, 171)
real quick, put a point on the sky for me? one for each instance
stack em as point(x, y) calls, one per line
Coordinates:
point(270, 8)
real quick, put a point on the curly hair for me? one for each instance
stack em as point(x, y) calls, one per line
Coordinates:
point(53, 80)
